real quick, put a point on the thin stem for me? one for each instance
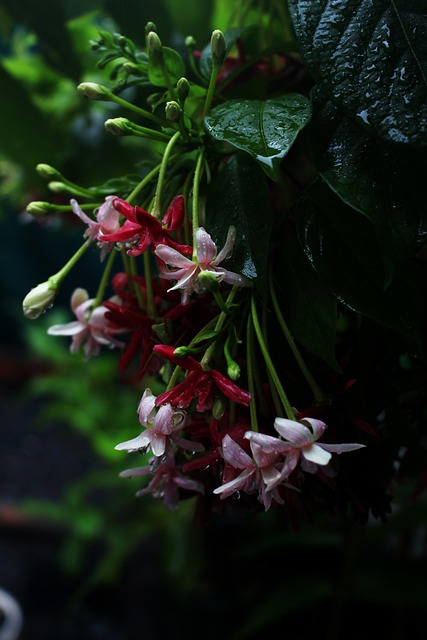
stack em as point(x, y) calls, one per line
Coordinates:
point(104, 279)
point(55, 280)
point(219, 325)
point(162, 122)
point(211, 89)
point(250, 371)
point(156, 212)
point(195, 202)
point(139, 187)
point(280, 390)
point(151, 307)
point(319, 395)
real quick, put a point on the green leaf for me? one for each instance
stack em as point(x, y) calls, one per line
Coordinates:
point(380, 179)
point(172, 62)
point(309, 308)
point(266, 129)
point(341, 245)
point(228, 204)
point(371, 59)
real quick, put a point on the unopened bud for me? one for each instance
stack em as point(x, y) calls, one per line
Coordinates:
point(39, 209)
point(182, 351)
point(118, 126)
point(218, 408)
point(154, 46)
point(38, 300)
point(173, 111)
point(183, 89)
point(150, 26)
point(94, 91)
point(190, 43)
point(218, 46)
point(48, 172)
point(154, 98)
point(233, 370)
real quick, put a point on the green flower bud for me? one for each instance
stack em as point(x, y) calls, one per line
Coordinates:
point(94, 91)
point(39, 209)
point(48, 172)
point(190, 43)
point(218, 46)
point(173, 111)
point(118, 126)
point(150, 26)
point(183, 89)
point(218, 408)
point(182, 351)
point(154, 47)
point(38, 300)
point(59, 187)
point(233, 370)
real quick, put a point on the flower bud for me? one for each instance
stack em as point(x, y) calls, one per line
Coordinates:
point(118, 126)
point(233, 370)
point(38, 300)
point(154, 47)
point(173, 111)
point(94, 91)
point(39, 209)
point(190, 43)
point(48, 172)
point(218, 46)
point(183, 89)
point(150, 26)
point(218, 408)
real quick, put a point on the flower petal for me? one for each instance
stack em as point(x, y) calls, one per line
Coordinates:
point(234, 455)
point(234, 485)
point(315, 453)
point(140, 442)
point(205, 246)
point(341, 448)
point(228, 247)
point(172, 257)
point(293, 431)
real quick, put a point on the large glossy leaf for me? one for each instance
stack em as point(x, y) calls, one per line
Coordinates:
point(341, 245)
point(370, 57)
point(266, 129)
point(228, 203)
point(309, 308)
point(382, 180)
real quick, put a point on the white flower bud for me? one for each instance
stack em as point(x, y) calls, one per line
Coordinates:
point(38, 300)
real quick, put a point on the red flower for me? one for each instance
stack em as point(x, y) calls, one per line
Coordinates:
point(144, 229)
point(198, 384)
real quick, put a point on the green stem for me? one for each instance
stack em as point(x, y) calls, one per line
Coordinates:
point(219, 325)
point(104, 279)
point(250, 371)
point(139, 187)
point(195, 202)
point(77, 189)
point(211, 89)
point(280, 390)
point(162, 122)
point(156, 211)
point(137, 289)
point(319, 395)
point(151, 307)
point(56, 279)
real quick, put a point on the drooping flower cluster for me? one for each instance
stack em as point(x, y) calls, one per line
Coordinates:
point(189, 314)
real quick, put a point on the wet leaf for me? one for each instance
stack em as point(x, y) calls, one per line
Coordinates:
point(266, 129)
point(228, 204)
point(371, 59)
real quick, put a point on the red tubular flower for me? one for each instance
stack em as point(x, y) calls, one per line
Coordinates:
point(198, 384)
point(144, 229)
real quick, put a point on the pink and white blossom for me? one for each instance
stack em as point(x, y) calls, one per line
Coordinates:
point(107, 221)
point(91, 329)
point(161, 425)
point(176, 266)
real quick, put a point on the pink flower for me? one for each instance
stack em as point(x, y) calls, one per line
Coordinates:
point(142, 229)
point(167, 480)
point(177, 267)
point(106, 222)
point(91, 328)
point(300, 444)
point(260, 473)
point(161, 426)
point(198, 384)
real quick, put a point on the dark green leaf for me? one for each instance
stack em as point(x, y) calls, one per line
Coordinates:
point(341, 245)
point(266, 129)
point(309, 308)
point(228, 204)
point(175, 68)
point(381, 180)
point(371, 59)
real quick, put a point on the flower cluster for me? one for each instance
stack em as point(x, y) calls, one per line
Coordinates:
point(197, 319)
